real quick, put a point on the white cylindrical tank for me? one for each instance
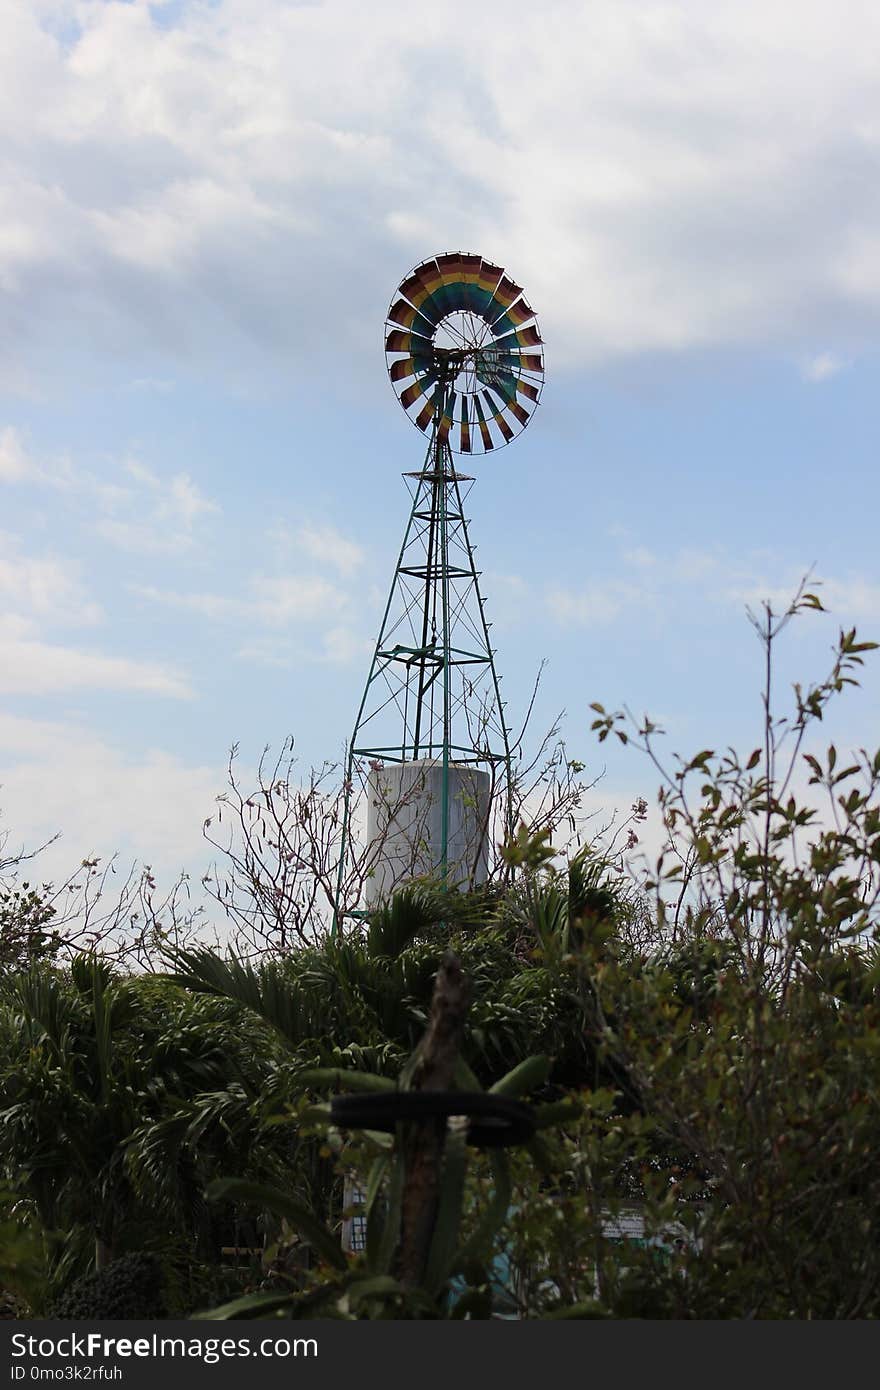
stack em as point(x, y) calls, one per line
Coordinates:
point(405, 824)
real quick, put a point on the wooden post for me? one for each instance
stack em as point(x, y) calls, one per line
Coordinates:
point(423, 1144)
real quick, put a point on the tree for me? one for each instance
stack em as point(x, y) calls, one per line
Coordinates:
point(117, 1094)
point(750, 1035)
point(26, 931)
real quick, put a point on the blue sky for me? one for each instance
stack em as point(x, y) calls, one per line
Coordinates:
point(206, 210)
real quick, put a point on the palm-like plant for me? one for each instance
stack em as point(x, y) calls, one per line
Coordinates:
point(101, 1078)
point(362, 1000)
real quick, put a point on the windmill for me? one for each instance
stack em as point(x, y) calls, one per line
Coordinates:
point(464, 357)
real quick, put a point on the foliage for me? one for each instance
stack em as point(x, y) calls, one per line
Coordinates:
point(92, 908)
point(749, 1035)
point(26, 931)
point(22, 1256)
point(713, 1030)
point(455, 1281)
point(118, 1095)
point(128, 1287)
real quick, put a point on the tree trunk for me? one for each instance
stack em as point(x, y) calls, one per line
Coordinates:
point(103, 1252)
point(423, 1146)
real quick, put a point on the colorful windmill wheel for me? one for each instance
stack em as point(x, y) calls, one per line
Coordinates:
point(464, 352)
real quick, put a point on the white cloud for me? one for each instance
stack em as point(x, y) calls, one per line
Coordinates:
point(714, 577)
point(272, 600)
point(690, 563)
point(647, 169)
point(167, 512)
point(65, 777)
point(184, 501)
point(39, 591)
point(147, 513)
point(823, 367)
point(15, 466)
point(279, 599)
point(640, 558)
point(44, 586)
point(597, 604)
point(853, 599)
point(343, 646)
point(60, 474)
point(324, 544)
point(161, 385)
point(272, 651)
point(142, 537)
point(29, 666)
point(340, 645)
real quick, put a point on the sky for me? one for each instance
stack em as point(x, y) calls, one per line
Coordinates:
point(207, 206)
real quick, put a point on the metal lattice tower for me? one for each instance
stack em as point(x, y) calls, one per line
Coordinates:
point(460, 344)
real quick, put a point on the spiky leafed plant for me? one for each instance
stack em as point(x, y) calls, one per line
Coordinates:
point(96, 1071)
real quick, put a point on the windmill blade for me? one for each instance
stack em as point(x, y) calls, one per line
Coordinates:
point(524, 337)
point(425, 416)
point(525, 388)
point(445, 425)
point(451, 266)
point(408, 317)
point(531, 362)
point(515, 317)
point(482, 289)
point(419, 286)
point(485, 433)
point(506, 395)
point(461, 289)
point(497, 417)
point(465, 428)
point(516, 361)
point(520, 313)
point(405, 367)
point(489, 276)
point(470, 271)
point(506, 293)
point(412, 343)
point(413, 392)
point(504, 427)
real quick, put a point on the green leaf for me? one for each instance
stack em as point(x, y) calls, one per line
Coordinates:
point(441, 1256)
point(372, 1208)
point(250, 1305)
point(377, 1286)
point(340, 1079)
point(390, 1227)
point(464, 1078)
point(542, 1156)
point(493, 1217)
point(557, 1112)
point(530, 1074)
